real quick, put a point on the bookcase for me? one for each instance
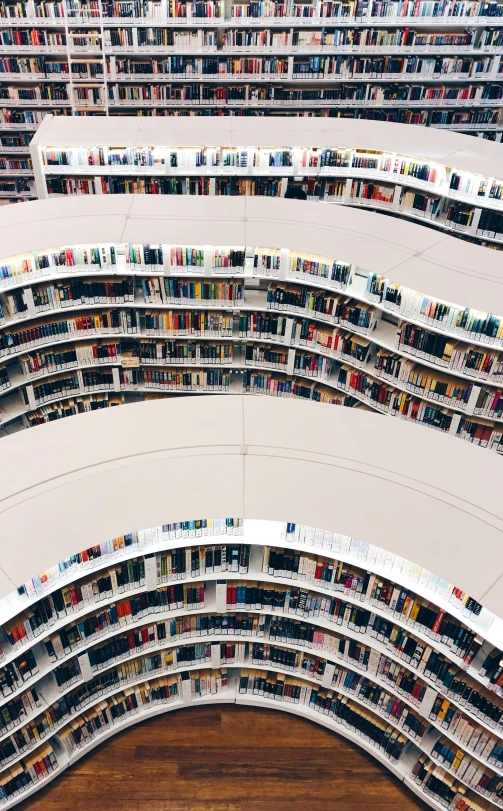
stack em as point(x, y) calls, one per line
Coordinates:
point(434, 63)
point(264, 613)
point(96, 322)
point(380, 167)
point(360, 636)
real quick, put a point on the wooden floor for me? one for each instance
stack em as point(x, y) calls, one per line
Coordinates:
point(226, 758)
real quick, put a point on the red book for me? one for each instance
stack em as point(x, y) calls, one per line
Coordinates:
point(438, 621)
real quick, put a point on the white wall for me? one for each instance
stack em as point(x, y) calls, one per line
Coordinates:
point(78, 482)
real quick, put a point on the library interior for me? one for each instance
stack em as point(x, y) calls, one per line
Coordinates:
point(225, 596)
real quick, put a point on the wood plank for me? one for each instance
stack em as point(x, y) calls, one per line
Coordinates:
point(226, 759)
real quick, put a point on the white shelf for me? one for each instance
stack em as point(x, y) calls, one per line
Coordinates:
point(329, 656)
point(48, 666)
point(232, 695)
point(449, 22)
point(355, 289)
point(18, 379)
point(261, 533)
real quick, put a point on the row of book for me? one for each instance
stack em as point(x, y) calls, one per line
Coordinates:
point(404, 9)
point(331, 341)
point(122, 651)
point(117, 545)
point(439, 785)
point(466, 769)
point(315, 67)
point(356, 584)
point(418, 204)
point(59, 645)
point(316, 162)
point(301, 601)
point(130, 95)
point(419, 656)
point(326, 38)
point(137, 95)
point(129, 575)
point(27, 773)
point(20, 188)
point(389, 367)
point(236, 39)
point(366, 691)
point(39, 363)
point(362, 585)
point(16, 164)
point(465, 322)
point(356, 383)
point(134, 95)
point(28, 119)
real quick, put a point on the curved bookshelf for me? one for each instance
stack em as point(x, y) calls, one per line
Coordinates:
point(403, 661)
point(219, 648)
point(281, 321)
point(332, 162)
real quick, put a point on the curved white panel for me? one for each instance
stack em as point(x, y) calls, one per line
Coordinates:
point(420, 258)
point(416, 493)
point(449, 148)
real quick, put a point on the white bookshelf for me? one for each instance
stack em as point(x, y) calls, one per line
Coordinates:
point(99, 63)
point(216, 603)
point(316, 152)
point(224, 413)
point(356, 242)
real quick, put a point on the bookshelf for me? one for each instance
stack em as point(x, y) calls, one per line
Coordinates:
point(432, 65)
point(267, 425)
point(233, 643)
point(95, 323)
point(380, 168)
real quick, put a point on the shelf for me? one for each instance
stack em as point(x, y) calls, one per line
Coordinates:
point(254, 299)
point(425, 745)
point(251, 172)
point(263, 533)
point(18, 379)
point(254, 574)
